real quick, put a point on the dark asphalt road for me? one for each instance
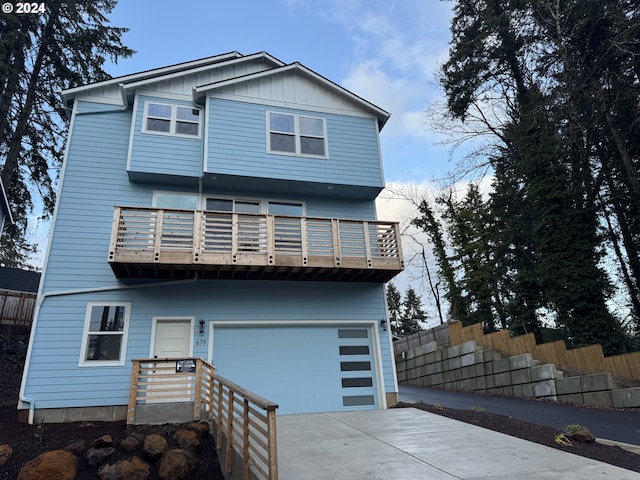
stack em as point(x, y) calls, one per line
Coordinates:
point(617, 425)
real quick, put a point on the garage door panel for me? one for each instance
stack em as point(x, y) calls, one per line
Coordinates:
point(299, 368)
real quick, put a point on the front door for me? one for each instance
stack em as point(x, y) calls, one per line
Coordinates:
point(172, 340)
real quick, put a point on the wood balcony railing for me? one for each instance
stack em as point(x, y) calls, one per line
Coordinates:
point(163, 243)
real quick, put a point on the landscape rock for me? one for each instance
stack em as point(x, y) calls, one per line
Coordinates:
point(77, 447)
point(583, 436)
point(155, 446)
point(129, 444)
point(56, 464)
point(134, 469)
point(5, 453)
point(201, 428)
point(96, 456)
point(187, 440)
point(176, 465)
point(103, 441)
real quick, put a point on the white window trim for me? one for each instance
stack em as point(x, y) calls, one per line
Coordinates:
point(264, 202)
point(83, 362)
point(202, 200)
point(173, 192)
point(173, 120)
point(297, 135)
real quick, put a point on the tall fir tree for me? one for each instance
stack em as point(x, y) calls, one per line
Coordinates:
point(41, 55)
point(564, 76)
point(394, 307)
point(412, 313)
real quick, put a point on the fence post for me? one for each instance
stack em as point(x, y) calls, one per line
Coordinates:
point(229, 452)
point(245, 440)
point(133, 391)
point(272, 444)
point(197, 394)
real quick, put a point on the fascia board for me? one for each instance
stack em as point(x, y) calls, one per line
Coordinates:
point(148, 81)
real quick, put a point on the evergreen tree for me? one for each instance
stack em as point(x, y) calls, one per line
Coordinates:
point(564, 77)
point(41, 55)
point(394, 307)
point(412, 313)
point(427, 221)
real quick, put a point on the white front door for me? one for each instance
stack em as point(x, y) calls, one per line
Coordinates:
point(173, 338)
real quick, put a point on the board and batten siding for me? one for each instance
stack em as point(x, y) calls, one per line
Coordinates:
point(237, 145)
point(55, 380)
point(164, 154)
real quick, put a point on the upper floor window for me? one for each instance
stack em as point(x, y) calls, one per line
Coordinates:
point(297, 134)
point(171, 120)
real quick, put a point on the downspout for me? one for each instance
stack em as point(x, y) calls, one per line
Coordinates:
point(44, 296)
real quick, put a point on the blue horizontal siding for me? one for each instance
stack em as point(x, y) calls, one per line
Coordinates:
point(237, 146)
point(163, 154)
point(54, 371)
point(95, 180)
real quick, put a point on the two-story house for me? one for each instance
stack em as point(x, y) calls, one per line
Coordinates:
point(221, 209)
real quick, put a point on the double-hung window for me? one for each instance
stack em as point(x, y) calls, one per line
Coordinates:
point(105, 334)
point(296, 135)
point(170, 119)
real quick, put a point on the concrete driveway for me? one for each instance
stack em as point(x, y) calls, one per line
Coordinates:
point(411, 444)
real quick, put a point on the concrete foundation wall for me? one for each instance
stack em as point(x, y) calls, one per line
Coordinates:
point(473, 368)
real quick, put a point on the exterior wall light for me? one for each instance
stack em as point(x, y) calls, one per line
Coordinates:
point(383, 324)
point(201, 322)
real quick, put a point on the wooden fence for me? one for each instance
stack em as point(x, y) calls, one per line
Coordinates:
point(16, 308)
point(588, 359)
point(438, 334)
point(244, 423)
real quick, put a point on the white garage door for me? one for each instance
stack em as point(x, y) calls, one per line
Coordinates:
point(302, 369)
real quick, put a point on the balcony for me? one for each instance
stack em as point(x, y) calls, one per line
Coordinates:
point(176, 244)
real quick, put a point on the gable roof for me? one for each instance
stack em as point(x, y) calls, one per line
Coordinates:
point(128, 83)
point(4, 202)
point(381, 114)
point(19, 280)
point(69, 94)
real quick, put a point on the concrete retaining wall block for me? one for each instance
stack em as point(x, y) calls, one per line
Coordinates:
point(626, 397)
point(568, 386)
point(597, 382)
point(599, 399)
point(502, 365)
point(572, 398)
point(520, 376)
point(544, 372)
point(502, 379)
point(468, 347)
point(467, 359)
point(546, 388)
point(453, 351)
point(520, 361)
point(468, 372)
point(455, 362)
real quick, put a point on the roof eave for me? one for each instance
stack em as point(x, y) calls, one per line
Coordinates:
point(69, 94)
